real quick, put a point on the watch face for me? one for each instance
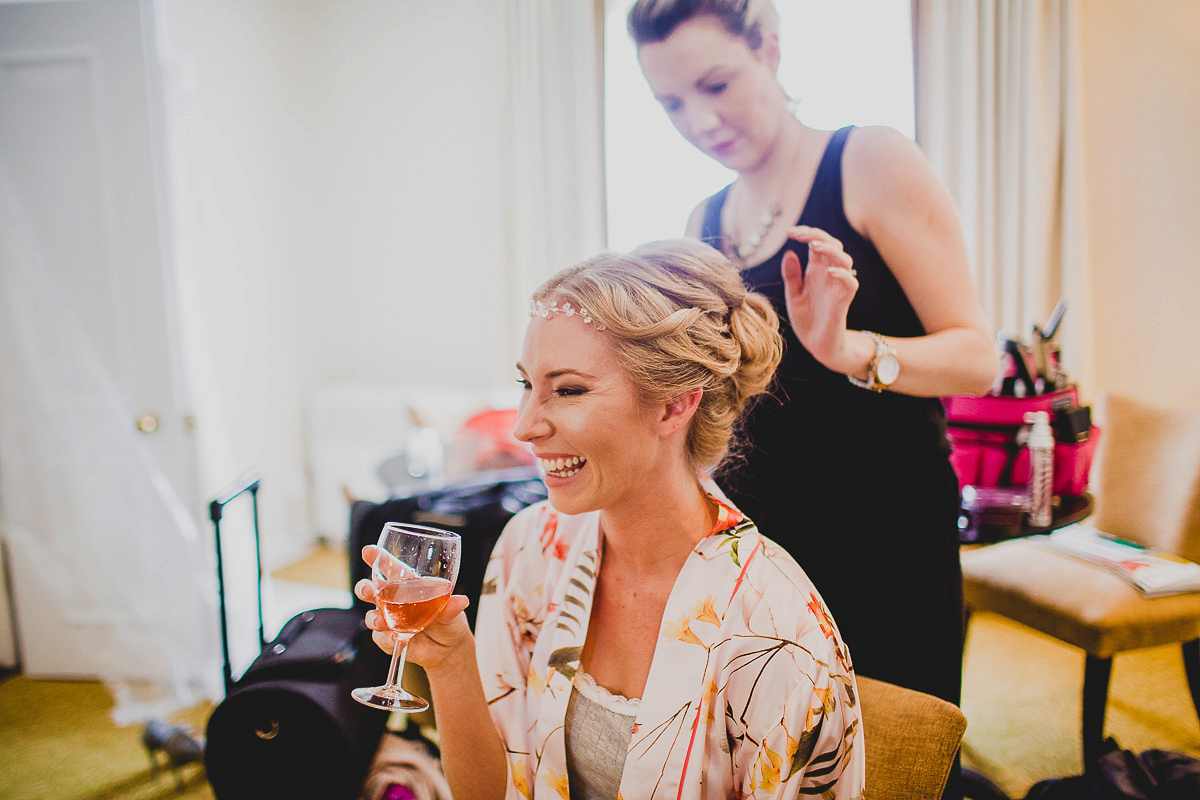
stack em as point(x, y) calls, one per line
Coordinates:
point(887, 369)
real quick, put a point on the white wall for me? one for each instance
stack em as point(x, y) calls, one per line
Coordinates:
point(1142, 128)
point(337, 194)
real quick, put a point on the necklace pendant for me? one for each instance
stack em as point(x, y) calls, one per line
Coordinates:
point(746, 250)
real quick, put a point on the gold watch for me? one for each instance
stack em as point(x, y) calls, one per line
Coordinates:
point(884, 366)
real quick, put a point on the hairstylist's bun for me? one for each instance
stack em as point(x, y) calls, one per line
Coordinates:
point(654, 20)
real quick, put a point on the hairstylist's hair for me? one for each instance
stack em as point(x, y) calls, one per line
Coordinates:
point(654, 20)
point(680, 319)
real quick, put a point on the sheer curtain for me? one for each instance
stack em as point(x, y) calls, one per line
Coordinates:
point(998, 114)
point(87, 513)
point(554, 133)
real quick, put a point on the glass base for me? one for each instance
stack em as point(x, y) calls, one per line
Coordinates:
point(389, 698)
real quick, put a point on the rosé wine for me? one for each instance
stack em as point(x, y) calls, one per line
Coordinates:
point(409, 605)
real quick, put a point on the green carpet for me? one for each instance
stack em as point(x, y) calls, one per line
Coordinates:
point(58, 742)
point(1022, 697)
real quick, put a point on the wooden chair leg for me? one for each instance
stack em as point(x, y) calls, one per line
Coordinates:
point(1096, 673)
point(965, 625)
point(1191, 666)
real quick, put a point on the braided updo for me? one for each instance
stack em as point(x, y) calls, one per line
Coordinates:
point(679, 319)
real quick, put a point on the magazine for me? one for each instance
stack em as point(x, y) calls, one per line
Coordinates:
point(1154, 572)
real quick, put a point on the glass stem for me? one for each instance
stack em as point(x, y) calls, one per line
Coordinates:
point(398, 658)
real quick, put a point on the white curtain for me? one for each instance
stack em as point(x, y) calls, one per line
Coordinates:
point(555, 168)
point(89, 517)
point(998, 114)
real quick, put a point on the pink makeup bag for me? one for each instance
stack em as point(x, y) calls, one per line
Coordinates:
point(987, 435)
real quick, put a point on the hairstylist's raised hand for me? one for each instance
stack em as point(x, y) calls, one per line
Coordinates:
point(430, 647)
point(818, 298)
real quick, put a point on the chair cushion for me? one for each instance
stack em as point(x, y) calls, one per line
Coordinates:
point(910, 739)
point(1071, 599)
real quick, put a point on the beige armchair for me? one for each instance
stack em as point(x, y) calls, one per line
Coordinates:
point(911, 739)
point(1146, 483)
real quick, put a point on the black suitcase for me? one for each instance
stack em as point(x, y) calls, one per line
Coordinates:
point(288, 726)
point(477, 508)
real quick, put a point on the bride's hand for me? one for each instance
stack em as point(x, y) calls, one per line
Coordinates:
point(430, 647)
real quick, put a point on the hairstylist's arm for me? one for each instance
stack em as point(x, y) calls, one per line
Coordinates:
point(472, 753)
point(894, 199)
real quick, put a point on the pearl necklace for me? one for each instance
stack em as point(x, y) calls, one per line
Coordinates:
point(748, 249)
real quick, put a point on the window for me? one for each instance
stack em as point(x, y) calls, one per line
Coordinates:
point(844, 61)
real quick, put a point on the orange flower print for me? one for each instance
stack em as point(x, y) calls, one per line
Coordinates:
point(768, 767)
point(526, 623)
point(826, 696)
point(792, 746)
point(682, 632)
point(818, 611)
point(549, 527)
point(704, 612)
point(560, 549)
point(550, 540)
point(558, 783)
point(536, 683)
point(727, 517)
point(708, 702)
point(825, 704)
point(520, 783)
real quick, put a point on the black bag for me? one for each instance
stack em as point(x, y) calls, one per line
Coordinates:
point(288, 726)
point(1123, 775)
point(477, 508)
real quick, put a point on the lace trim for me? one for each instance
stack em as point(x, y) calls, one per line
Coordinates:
point(616, 703)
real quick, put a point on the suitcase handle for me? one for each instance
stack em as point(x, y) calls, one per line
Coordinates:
point(216, 509)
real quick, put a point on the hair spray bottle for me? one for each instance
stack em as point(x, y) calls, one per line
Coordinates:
point(1041, 467)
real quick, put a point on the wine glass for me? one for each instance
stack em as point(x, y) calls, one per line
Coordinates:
point(414, 572)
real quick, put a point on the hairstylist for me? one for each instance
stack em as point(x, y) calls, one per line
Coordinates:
point(637, 637)
point(858, 246)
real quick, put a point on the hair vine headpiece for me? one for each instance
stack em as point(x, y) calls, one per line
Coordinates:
point(540, 309)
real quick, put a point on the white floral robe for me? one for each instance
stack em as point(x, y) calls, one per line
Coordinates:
point(751, 692)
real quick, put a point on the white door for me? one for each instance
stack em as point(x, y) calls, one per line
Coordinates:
point(88, 264)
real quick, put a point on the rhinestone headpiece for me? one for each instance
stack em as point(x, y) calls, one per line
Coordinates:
point(540, 309)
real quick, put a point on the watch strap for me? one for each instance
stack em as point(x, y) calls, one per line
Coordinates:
point(882, 348)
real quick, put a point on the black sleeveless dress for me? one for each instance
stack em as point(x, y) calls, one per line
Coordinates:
point(857, 485)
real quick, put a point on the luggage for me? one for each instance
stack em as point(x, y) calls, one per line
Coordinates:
point(477, 508)
point(288, 726)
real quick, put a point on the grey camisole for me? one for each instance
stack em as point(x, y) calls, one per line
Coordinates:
point(599, 725)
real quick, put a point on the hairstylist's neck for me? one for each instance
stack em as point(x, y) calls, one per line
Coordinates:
point(775, 168)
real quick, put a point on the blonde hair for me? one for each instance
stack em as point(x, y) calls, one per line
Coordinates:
point(679, 319)
point(654, 20)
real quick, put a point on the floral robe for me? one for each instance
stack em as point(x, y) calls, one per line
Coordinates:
point(751, 693)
